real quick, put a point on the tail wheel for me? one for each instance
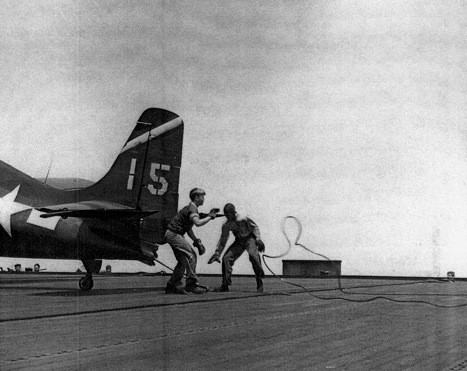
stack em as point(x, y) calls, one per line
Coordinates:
point(86, 283)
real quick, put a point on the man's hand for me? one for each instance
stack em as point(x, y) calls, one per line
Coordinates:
point(214, 258)
point(260, 245)
point(200, 246)
point(213, 213)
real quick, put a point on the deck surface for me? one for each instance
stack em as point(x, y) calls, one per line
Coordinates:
point(128, 323)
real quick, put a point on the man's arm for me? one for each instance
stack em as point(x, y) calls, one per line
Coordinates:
point(198, 221)
point(191, 234)
point(221, 244)
point(254, 229)
point(196, 242)
point(223, 239)
point(255, 232)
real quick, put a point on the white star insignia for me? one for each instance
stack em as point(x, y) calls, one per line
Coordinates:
point(8, 207)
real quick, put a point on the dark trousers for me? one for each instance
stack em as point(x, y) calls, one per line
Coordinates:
point(234, 252)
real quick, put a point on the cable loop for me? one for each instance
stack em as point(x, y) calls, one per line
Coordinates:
point(296, 243)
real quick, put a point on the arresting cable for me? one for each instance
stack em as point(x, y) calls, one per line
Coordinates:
point(374, 298)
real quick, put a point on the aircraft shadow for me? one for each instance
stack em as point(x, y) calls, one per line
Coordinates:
point(31, 281)
point(100, 292)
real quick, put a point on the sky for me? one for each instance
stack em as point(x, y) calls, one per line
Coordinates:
point(349, 115)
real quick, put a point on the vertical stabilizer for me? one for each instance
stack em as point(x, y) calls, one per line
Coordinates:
point(146, 173)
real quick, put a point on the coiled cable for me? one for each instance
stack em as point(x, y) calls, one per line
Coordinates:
point(374, 298)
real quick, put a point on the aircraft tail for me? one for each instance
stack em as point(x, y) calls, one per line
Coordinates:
point(146, 173)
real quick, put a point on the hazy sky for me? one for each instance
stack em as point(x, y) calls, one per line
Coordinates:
point(350, 115)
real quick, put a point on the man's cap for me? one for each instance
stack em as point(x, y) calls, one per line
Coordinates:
point(229, 208)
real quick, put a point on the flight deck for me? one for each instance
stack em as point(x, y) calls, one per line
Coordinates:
point(127, 322)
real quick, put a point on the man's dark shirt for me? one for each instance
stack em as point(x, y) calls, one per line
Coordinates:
point(183, 221)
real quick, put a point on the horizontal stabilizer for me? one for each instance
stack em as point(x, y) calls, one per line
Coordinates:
point(97, 213)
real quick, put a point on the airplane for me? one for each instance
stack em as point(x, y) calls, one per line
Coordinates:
point(123, 216)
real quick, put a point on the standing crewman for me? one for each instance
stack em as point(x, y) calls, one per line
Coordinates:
point(186, 256)
point(247, 238)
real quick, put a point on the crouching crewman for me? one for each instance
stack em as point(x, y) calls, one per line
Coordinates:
point(247, 237)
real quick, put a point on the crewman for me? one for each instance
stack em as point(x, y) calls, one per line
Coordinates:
point(247, 237)
point(186, 256)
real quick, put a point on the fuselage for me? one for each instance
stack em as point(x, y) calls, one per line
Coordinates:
point(24, 233)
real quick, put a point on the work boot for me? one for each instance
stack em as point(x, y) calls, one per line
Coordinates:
point(222, 288)
point(196, 290)
point(193, 287)
point(173, 289)
point(259, 285)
